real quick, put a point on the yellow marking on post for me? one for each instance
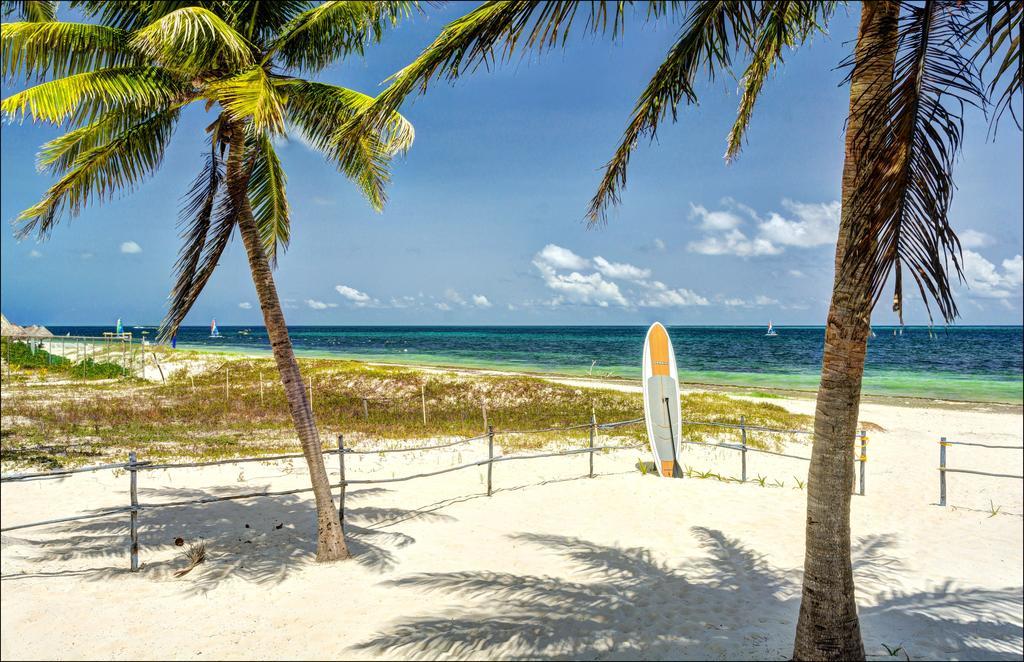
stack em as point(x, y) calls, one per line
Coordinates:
point(666, 468)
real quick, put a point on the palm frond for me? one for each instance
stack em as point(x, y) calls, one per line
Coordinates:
point(259, 20)
point(484, 36)
point(57, 156)
point(268, 199)
point(132, 15)
point(783, 24)
point(81, 98)
point(35, 11)
point(902, 201)
point(252, 96)
point(204, 239)
point(320, 35)
point(98, 173)
point(317, 109)
point(61, 49)
point(998, 29)
point(711, 36)
point(192, 40)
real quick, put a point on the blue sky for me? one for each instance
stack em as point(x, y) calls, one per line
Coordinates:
point(485, 221)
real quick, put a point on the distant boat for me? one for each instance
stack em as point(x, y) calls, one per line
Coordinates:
point(120, 327)
point(771, 331)
point(214, 333)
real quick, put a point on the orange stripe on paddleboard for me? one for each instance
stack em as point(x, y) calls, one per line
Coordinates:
point(658, 342)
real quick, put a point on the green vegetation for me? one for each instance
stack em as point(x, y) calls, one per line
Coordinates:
point(23, 355)
point(223, 412)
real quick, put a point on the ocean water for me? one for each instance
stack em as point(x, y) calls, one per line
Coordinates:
point(983, 364)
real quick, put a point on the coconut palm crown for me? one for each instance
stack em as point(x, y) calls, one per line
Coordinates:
point(118, 88)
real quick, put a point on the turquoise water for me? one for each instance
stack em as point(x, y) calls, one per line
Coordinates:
point(982, 364)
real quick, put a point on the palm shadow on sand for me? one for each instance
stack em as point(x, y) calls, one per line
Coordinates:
point(261, 540)
point(625, 604)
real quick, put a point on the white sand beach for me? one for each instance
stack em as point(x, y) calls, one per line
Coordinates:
point(553, 565)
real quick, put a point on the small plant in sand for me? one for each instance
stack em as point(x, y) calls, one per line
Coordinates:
point(779, 483)
point(761, 480)
point(993, 509)
point(195, 554)
point(799, 483)
point(895, 651)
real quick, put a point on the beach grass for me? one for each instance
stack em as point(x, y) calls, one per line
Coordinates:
point(218, 409)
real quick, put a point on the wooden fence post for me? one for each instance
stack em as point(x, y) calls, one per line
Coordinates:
point(743, 451)
point(490, 456)
point(593, 432)
point(942, 471)
point(134, 512)
point(483, 409)
point(863, 457)
point(341, 481)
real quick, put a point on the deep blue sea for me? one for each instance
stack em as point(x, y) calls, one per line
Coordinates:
point(960, 363)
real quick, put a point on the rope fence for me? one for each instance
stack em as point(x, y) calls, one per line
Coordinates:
point(134, 466)
point(943, 469)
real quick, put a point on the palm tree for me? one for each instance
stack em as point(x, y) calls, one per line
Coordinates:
point(912, 70)
point(118, 87)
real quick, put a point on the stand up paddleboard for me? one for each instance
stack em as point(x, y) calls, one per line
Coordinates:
point(661, 400)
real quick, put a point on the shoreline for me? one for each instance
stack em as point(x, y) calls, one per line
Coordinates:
point(627, 383)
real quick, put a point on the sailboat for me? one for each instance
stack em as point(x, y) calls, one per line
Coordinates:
point(771, 330)
point(214, 333)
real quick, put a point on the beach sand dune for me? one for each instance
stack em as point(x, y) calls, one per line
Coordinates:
point(553, 565)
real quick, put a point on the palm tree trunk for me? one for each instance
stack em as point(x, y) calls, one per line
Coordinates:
point(330, 540)
point(828, 627)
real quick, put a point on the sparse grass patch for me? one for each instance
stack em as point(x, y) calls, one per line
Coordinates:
point(222, 412)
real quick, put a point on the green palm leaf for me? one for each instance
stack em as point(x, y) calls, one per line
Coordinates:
point(36, 11)
point(903, 201)
point(784, 24)
point(98, 173)
point(268, 198)
point(61, 49)
point(998, 27)
point(204, 238)
point(333, 29)
point(252, 96)
point(191, 40)
point(83, 97)
point(712, 35)
point(316, 109)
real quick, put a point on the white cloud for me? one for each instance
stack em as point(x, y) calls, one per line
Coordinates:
point(715, 221)
point(620, 270)
point(561, 258)
point(442, 306)
point(403, 302)
point(804, 225)
point(733, 242)
point(357, 298)
point(796, 273)
point(480, 301)
point(453, 296)
point(759, 300)
point(130, 247)
point(579, 288)
point(86, 255)
point(245, 305)
point(985, 281)
point(319, 305)
point(659, 295)
point(1014, 268)
point(812, 224)
point(34, 253)
point(659, 245)
point(974, 239)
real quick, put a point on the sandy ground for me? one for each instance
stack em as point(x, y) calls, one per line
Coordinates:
point(554, 565)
